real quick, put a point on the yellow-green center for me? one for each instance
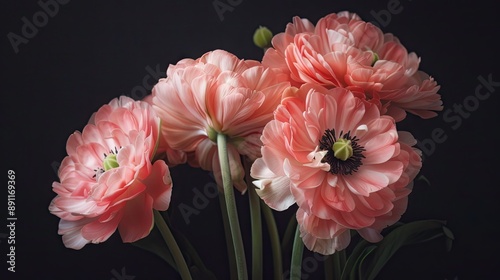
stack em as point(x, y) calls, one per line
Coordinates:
point(343, 152)
point(375, 58)
point(342, 149)
point(110, 162)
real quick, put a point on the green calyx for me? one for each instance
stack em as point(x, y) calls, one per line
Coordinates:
point(212, 134)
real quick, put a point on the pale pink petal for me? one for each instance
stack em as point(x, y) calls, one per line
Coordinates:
point(71, 232)
point(275, 192)
point(97, 231)
point(373, 178)
point(159, 185)
point(250, 146)
point(370, 235)
point(334, 238)
point(137, 220)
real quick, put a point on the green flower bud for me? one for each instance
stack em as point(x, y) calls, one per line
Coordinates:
point(342, 149)
point(262, 37)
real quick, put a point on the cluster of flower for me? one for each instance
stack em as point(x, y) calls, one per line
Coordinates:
point(316, 119)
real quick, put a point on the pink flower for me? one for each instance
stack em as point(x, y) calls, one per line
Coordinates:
point(344, 51)
point(340, 161)
point(217, 94)
point(107, 181)
point(172, 157)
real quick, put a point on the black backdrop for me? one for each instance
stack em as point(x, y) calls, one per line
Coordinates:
point(77, 57)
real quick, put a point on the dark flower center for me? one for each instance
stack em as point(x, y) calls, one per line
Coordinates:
point(344, 154)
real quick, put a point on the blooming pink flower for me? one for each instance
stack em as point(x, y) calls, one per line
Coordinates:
point(340, 161)
point(344, 51)
point(217, 94)
point(172, 157)
point(107, 181)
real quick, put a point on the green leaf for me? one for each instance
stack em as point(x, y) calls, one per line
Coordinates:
point(198, 268)
point(352, 260)
point(154, 243)
point(410, 233)
point(448, 233)
point(450, 237)
point(423, 178)
point(286, 243)
point(360, 263)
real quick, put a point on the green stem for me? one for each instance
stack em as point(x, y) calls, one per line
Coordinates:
point(256, 224)
point(172, 245)
point(298, 248)
point(232, 213)
point(339, 260)
point(229, 239)
point(275, 241)
point(288, 235)
point(343, 258)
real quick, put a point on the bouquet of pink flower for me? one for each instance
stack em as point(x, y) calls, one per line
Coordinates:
point(314, 124)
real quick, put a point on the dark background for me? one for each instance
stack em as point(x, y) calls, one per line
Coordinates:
point(87, 53)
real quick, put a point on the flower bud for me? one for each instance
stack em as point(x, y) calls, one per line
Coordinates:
point(262, 37)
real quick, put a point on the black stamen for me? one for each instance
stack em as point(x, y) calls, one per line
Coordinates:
point(338, 166)
point(98, 169)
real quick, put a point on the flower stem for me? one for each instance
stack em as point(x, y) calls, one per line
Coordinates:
point(256, 224)
point(275, 241)
point(298, 248)
point(229, 239)
point(172, 245)
point(286, 242)
point(339, 260)
point(231, 207)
